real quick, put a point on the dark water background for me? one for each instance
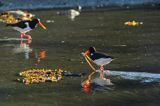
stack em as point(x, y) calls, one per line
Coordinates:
point(48, 4)
point(135, 49)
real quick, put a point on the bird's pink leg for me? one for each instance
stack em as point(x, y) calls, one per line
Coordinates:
point(28, 36)
point(102, 73)
point(22, 34)
point(29, 39)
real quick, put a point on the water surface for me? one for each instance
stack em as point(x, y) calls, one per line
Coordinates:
point(135, 49)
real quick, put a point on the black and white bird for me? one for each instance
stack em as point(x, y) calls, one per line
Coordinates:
point(99, 58)
point(25, 26)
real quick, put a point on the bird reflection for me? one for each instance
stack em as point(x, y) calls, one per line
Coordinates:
point(41, 55)
point(27, 51)
point(23, 48)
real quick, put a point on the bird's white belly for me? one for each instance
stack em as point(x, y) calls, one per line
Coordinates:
point(102, 61)
point(27, 29)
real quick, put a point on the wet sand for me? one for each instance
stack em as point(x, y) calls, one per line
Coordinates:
point(135, 49)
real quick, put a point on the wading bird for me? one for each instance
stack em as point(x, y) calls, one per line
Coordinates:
point(25, 26)
point(99, 58)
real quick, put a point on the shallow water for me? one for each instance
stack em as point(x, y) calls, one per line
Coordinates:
point(135, 49)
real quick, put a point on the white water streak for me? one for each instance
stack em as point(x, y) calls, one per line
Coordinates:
point(144, 77)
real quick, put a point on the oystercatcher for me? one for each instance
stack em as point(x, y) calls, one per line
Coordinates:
point(99, 59)
point(25, 26)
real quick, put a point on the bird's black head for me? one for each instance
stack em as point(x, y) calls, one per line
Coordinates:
point(92, 49)
point(33, 23)
point(89, 51)
point(36, 20)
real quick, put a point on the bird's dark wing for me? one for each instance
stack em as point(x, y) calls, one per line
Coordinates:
point(20, 24)
point(98, 55)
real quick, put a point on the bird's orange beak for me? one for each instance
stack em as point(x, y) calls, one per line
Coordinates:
point(86, 53)
point(41, 25)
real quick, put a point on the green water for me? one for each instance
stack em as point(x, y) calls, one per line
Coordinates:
point(135, 49)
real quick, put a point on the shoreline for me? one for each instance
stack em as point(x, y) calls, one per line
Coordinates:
point(94, 9)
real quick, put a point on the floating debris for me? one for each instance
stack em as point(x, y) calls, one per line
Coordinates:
point(35, 76)
point(32, 76)
point(49, 21)
point(133, 23)
point(7, 18)
point(12, 17)
point(22, 15)
point(62, 41)
point(120, 45)
point(79, 8)
point(72, 13)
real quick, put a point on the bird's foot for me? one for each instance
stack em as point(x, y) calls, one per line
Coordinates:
point(102, 77)
point(22, 35)
point(29, 37)
point(101, 68)
point(25, 35)
point(29, 41)
point(105, 79)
